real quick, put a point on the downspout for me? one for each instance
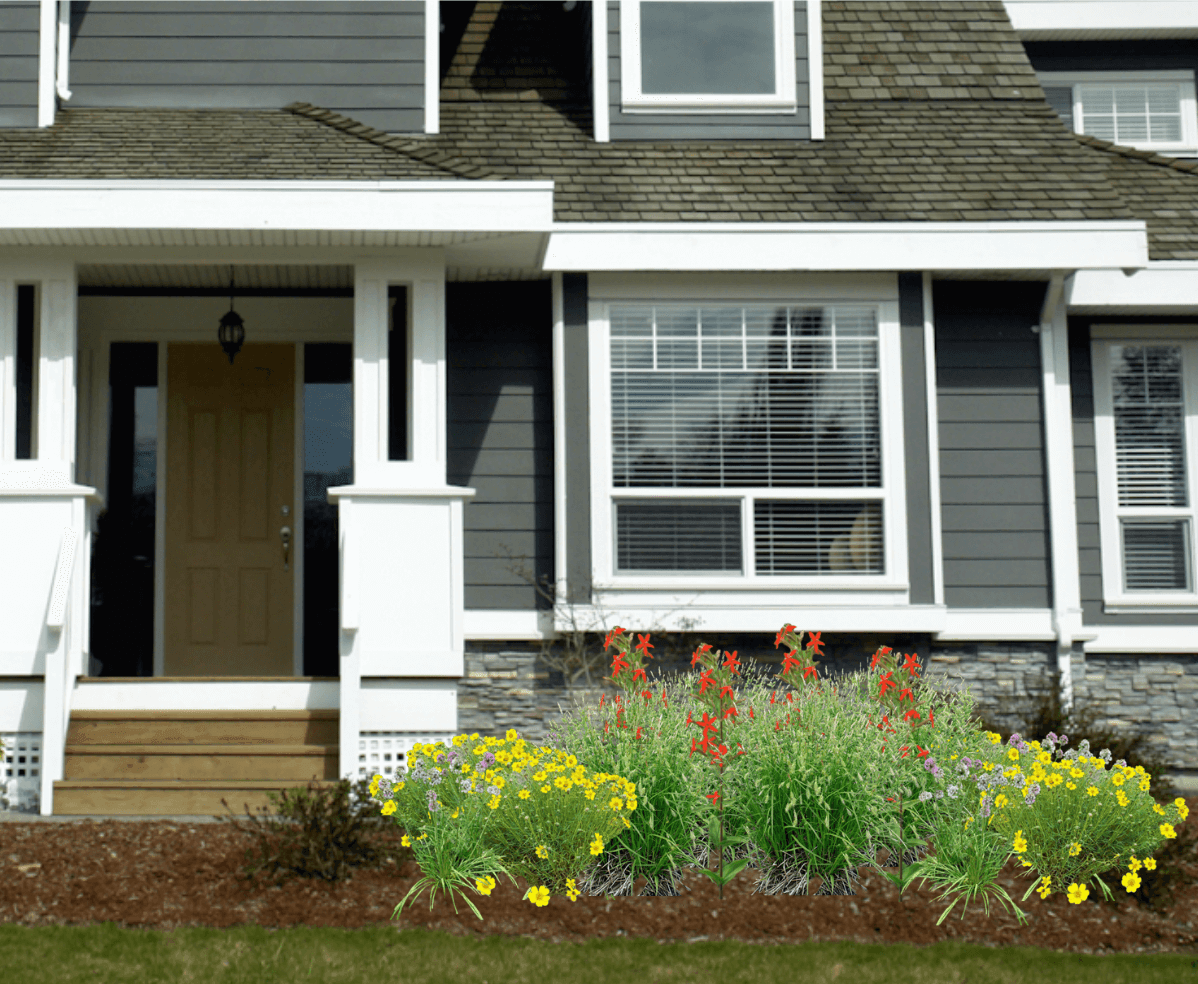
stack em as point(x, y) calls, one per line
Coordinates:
point(64, 50)
point(1062, 493)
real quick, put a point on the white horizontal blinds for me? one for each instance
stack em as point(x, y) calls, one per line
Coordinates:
point(747, 397)
point(752, 396)
point(812, 537)
point(678, 536)
point(1132, 112)
point(1150, 464)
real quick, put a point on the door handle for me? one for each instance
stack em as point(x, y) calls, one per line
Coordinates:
point(285, 536)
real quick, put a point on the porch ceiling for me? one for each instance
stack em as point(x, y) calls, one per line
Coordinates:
point(224, 238)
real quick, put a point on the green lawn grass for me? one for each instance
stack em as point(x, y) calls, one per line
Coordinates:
point(107, 954)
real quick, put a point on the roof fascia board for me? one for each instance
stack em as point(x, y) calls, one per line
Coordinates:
point(506, 206)
point(680, 246)
point(601, 112)
point(1162, 287)
point(1048, 19)
point(47, 65)
point(815, 67)
point(432, 66)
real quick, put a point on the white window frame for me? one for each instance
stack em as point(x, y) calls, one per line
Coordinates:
point(633, 100)
point(1115, 598)
point(1186, 147)
point(748, 589)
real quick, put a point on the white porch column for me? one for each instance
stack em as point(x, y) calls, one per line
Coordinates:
point(8, 369)
point(402, 585)
point(56, 371)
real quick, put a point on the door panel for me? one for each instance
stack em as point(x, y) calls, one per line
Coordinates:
point(230, 473)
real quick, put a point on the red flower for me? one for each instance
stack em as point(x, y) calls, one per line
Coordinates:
point(613, 634)
point(772, 696)
point(885, 682)
point(639, 674)
point(606, 725)
point(881, 652)
point(618, 663)
point(647, 694)
point(705, 680)
point(699, 652)
point(643, 646)
point(638, 732)
point(750, 713)
point(922, 752)
point(727, 690)
point(910, 714)
point(713, 797)
point(731, 662)
point(663, 699)
point(708, 723)
point(931, 720)
point(731, 712)
point(912, 664)
point(601, 700)
point(812, 670)
point(907, 694)
point(813, 642)
point(789, 662)
point(782, 632)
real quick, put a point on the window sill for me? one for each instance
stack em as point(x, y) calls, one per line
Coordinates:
point(1124, 606)
point(780, 108)
point(668, 582)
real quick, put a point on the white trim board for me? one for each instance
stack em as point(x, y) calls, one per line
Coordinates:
point(1049, 19)
point(1163, 287)
point(273, 206)
point(866, 246)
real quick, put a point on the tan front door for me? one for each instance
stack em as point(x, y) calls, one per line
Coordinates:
point(230, 486)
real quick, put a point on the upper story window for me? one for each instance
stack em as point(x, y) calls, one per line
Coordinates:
point(708, 56)
point(1146, 110)
point(1146, 440)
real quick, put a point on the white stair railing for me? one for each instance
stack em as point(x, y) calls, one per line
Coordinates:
point(56, 695)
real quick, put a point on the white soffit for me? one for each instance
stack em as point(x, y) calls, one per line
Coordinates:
point(847, 246)
point(1162, 288)
point(1065, 20)
point(351, 213)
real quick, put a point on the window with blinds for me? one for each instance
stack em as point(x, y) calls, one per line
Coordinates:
point(1151, 111)
point(773, 412)
point(1151, 470)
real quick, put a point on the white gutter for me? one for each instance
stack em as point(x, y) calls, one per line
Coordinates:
point(1121, 19)
point(815, 67)
point(47, 35)
point(277, 206)
point(601, 112)
point(1163, 287)
point(432, 66)
point(64, 49)
point(882, 246)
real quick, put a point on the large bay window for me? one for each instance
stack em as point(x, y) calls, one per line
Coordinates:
point(745, 442)
point(1146, 442)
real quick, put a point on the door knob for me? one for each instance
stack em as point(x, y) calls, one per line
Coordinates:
point(285, 536)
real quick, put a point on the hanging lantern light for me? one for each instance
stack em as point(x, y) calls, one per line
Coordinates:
point(232, 329)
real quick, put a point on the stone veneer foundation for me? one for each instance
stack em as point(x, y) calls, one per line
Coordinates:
point(508, 686)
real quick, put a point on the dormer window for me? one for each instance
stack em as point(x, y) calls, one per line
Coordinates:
point(1147, 110)
point(708, 56)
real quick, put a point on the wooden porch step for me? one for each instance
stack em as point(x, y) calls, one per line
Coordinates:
point(243, 762)
point(307, 727)
point(164, 797)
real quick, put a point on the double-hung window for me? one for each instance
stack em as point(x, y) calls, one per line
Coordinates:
point(707, 56)
point(746, 442)
point(1146, 443)
point(1147, 110)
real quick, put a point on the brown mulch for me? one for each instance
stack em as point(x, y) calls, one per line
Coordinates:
point(166, 874)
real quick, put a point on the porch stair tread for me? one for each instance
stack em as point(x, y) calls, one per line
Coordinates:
point(317, 751)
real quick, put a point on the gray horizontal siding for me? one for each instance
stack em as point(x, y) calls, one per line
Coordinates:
point(499, 347)
point(18, 64)
point(1085, 477)
point(644, 126)
point(993, 500)
point(363, 59)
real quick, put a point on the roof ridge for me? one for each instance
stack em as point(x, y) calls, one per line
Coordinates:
point(1189, 167)
point(407, 146)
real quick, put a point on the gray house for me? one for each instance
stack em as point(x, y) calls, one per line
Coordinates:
point(351, 353)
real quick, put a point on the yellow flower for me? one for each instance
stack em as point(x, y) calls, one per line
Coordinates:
point(454, 815)
point(524, 794)
point(389, 807)
point(1076, 773)
point(1075, 849)
point(590, 794)
point(571, 762)
point(1131, 881)
point(1013, 754)
point(406, 841)
point(493, 802)
point(627, 825)
point(1168, 831)
point(1078, 894)
point(1053, 781)
point(994, 739)
point(511, 734)
point(1121, 796)
point(968, 822)
point(1071, 785)
point(1045, 889)
point(1019, 843)
point(1001, 800)
point(1116, 780)
point(1157, 808)
point(545, 789)
point(1144, 784)
point(571, 890)
point(1134, 864)
point(542, 851)
point(1044, 757)
point(597, 845)
point(1183, 811)
point(1150, 864)
point(484, 885)
point(374, 784)
point(538, 896)
point(616, 804)
point(1093, 791)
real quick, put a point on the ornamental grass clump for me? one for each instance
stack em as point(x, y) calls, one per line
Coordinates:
point(499, 806)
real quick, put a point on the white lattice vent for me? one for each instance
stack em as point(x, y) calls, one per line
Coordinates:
point(21, 780)
point(385, 753)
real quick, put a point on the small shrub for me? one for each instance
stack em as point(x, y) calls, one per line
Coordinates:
point(323, 833)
